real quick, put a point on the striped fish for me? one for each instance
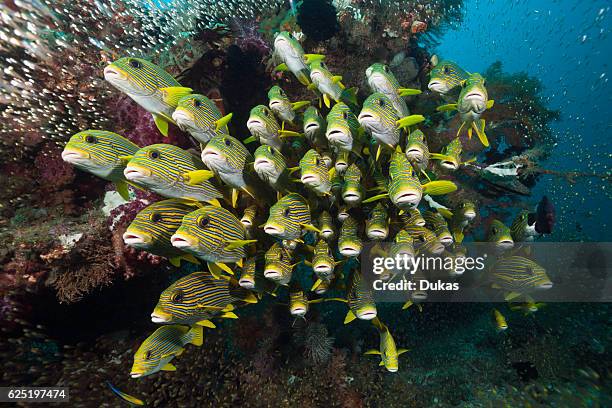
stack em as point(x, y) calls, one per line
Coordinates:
point(523, 227)
point(387, 350)
point(252, 277)
point(412, 217)
point(160, 168)
point(130, 399)
point(460, 217)
point(349, 242)
point(343, 130)
point(271, 167)
point(381, 79)
point(289, 217)
point(342, 161)
point(437, 223)
point(282, 107)
point(323, 262)
point(518, 275)
point(450, 157)
point(352, 187)
point(405, 189)
point(156, 352)
point(379, 117)
point(197, 298)
point(200, 117)
point(298, 302)
point(401, 246)
point(212, 234)
point(360, 299)
point(446, 76)
point(153, 227)
point(500, 235)
point(330, 86)
point(417, 150)
point(248, 217)
point(279, 267)
point(290, 52)
point(343, 213)
point(149, 86)
point(265, 129)
point(325, 224)
point(424, 240)
point(377, 223)
point(99, 152)
point(314, 173)
point(314, 127)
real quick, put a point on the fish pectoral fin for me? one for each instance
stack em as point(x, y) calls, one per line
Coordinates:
point(473, 159)
point(481, 133)
point(293, 169)
point(447, 107)
point(350, 316)
point(180, 351)
point(440, 156)
point(401, 351)
point(299, 104)
point(122, 188)
point(161, 123)
point(310, 58)
point(206, 323)
point(316, 285)
point(336, 300)
point(214, 270)
point(446, 213)
point(511, 295)
point(382, 363)
point(175, 261)
point(197, 176)
point(190, 258)
point(238, 243)
point(308, 263)
point(229, 315)
point(197, 335)
point(289, 133)
point(310, 227)
point(439, 187)
point(372, 352)
point(408, 91)
point(172, 94)
point(326, 100)
point(375, 198)
point(336, 79)
point(221, 123)
point(239, 263)
point(249, 139)
point(215, 202)
point(407, 305)
point(458, 236)
point(407, 121)
point(234, 197)
point(281, 67)
point(490, 103)
point(168, 367)
point(125, 159)
point(311, 86)
point(303, 78)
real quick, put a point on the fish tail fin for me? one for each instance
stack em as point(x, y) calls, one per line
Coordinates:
point(439, 187)
point(377, 323)
point(197, 335)
point(481, 133)
point(161, 123)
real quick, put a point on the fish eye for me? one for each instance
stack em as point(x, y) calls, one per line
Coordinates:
point(287, 212)
point(345, 115)
point(281, 257)
point(203, 221)
point(494, 230)
point(323, 65)
point(197, 103)
point(446, 70)
point(385, 68)
point(91, 139)
point(156, 217)
point(281, 92)
point(381, 102)
point(177, 297)
point(228, 142)
point(154, 154)
point(134, 63)
point(271, 150)
point(147, 355)
point(318, 161)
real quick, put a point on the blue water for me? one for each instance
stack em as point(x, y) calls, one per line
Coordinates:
point(567, 45)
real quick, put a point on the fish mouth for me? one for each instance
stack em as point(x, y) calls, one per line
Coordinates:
point(505, 244)
point(159, 316)
point(377, 233)
point(246, 283)
point(312, 126)
point(246, 222)
point(408, 198)
point(273, 230)
point(135, 238)
point(437, 86)
point(391, 369)
point(135, 173)
point(254, 124)
point(469, 215)
point(181, 241)
point(262, 162)
point(545, 285)
point(342, 216)
point(414, 153)
point(74, 156)
point(274, 104)
point(351, 197)
point(446, 240)
point(474, 96)
point(112, 73)
point(341, 166)
point(136, 375)
point(420, 223)
point(183, 118)
point(298, 311)
point(449, 165)
point(323, 268)
point(310, 179)
point(209, 154)
point(419, 295)
point(335, 134)
point(366, 314)
point(327, 233)
point(437, 249)
point(365, 117)
point(272, 274)
point(350, 250)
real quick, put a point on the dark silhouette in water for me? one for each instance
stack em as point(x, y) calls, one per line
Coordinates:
point(317, 18)
point(545, 216)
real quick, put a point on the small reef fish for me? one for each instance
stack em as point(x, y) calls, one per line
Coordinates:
point(349, 242)
point(265, 129)
point(248, 217)
point(153, 227)
point(197, 298)
point(446, 76)
point(343, 130)
point(437, 223)
point(252, 278)
point(381, 79)
point(326, 226)
point(352, 188)
point(278, 267)
point(130, 399)
point(425, 240)
point(314, 173)
point(291, 53)
point(271, 167)
point(282, 107)
point(473, 101)
point(289, 218)
point(528, 307)
point(160, 168)
point(377, 223)
point(167, 342)
point(100, 153)
point(517, 275)
point(450, 157)
point(214, 235)
point(387, 350)
point(330, 85)
point(360, 299)
point(314, 127)
point(523, 228)
point(417, 150)
point(412, 217)
point(499, 320)
point(460, 217)
point(323, 262)
point(200, 117)
point(500, 235)
point(149, 86)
